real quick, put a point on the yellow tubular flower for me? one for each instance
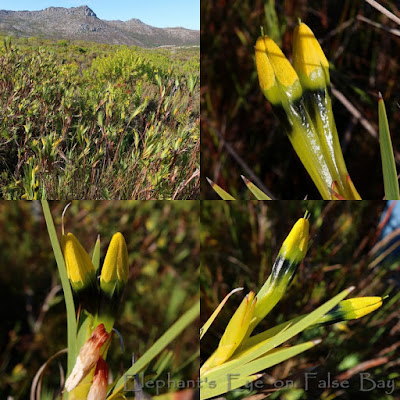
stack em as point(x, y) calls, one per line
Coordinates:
point(294, 248)
point(281, 86)
point(278, 80)
point(80, 268)
point(346, 310)
point(309, 60)
point(291, 254)
point(352, 309)
point(116, 262)
point(234, 333)
point(113, 278)
point(80, 271)
point(312, 67)
point(115, 268)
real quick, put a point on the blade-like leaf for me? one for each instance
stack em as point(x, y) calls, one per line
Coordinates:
point(221, 192)
point(258, 193)
point(388, 165)
point(69, 301)
point(243, 374)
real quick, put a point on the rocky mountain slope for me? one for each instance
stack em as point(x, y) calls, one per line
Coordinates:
point(83, 24)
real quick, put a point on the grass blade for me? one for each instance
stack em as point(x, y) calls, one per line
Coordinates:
point(388, 165)
point(69, 301)
point(258, 193)
point(221, 192)
point(158, 347)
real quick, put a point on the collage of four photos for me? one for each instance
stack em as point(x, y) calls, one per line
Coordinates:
point(199, 200)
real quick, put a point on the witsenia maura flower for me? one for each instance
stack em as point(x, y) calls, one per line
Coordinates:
point(234, 333)
point(290, 256)
point(283, 87)
point(352, 309)
point(103, 307)
point(312, 67)
point(81, 272)
point(253, 309)
point(113, 279)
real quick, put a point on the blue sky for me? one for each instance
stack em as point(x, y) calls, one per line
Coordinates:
point(159, 13)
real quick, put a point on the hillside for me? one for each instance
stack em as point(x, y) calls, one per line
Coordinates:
point(81, 23)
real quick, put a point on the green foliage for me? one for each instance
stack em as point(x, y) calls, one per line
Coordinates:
point(81, 120)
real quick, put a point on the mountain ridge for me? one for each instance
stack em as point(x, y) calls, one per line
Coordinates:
point(82, 23)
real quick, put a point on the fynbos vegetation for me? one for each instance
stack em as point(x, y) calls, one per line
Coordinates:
point(80, 120)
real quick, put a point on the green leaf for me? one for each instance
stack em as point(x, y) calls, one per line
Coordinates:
point(258, 193)
point(221, 192)
point(238, 361)
point(245, 373)
point(388, 165)
point(182, 323)
point(69, 301)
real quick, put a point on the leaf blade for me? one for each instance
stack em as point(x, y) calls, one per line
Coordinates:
point(69, 301)
point(221, 192)
point(258, 193)
point(388, 164)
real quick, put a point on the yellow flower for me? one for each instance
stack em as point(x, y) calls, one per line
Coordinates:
point(309, 60)
point(115, 267)
point(290, 256)
point(352, 309)
point(234, 333)
point(294, 248)
point(278, 80)
point(113, 278)
point(81, 272)
point(80, 268)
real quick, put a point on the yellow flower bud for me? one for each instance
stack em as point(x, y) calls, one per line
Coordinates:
point(115, 268)
point(291, 254)
point(309, 60)
point(113, 278)
point(80, 270)
point(278, 80)
point(294, 248)
point(77, 260)
point(352, 309)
